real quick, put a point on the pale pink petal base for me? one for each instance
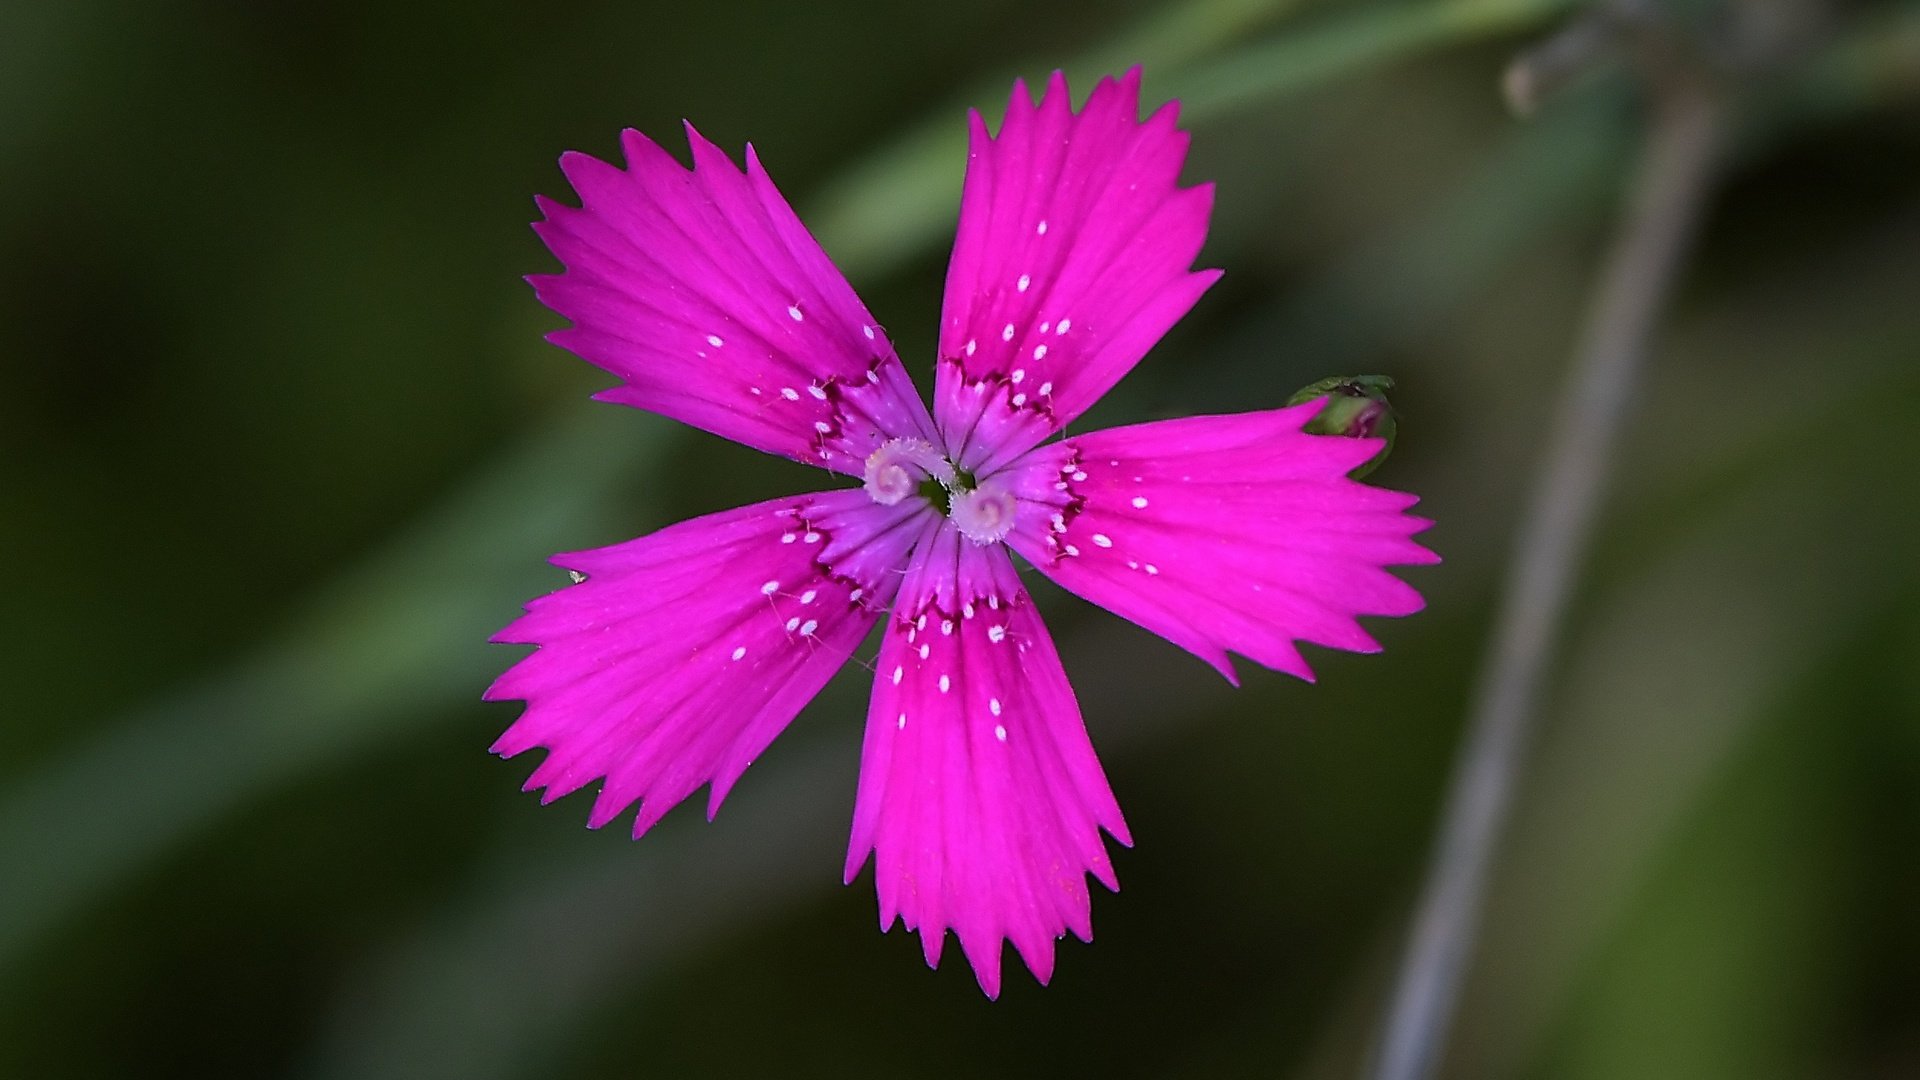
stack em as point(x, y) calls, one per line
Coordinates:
point(1222, 533)
point(980, 795)
point(683, 653)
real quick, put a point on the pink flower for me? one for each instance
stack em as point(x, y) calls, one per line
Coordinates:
point(682, 654)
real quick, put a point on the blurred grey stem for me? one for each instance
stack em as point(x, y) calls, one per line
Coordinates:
point(1663, 209)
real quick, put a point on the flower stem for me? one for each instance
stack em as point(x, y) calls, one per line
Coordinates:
point(1663, 209)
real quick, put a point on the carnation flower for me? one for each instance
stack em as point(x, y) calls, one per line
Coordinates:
point(678, 657)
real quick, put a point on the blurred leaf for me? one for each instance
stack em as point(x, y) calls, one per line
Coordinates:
point(1351, 42)
point(876, 229)
point(383, 649)
point(1644, 726)
point(1721, 965)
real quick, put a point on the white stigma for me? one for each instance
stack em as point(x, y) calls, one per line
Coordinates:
point(897, 469)
point(985, 514)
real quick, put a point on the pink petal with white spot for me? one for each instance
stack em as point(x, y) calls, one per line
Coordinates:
point(703, 292)
point(685, 652)
point(980, 795)
point(1072, 260)
point(1222, 533)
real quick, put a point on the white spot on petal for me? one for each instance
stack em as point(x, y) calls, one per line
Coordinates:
point(772, 587)
point(811, 538)
point(1019, 375)
point(1000, 732)
point(790, 393)
point(924, 650)
point(1041, 228)
point(1046, 388)
point(902, 723)
point(807, 628)
point(946, 684)
point(1139, 502)
point(1152, 569)
point(807, 597)
point(946, 627)
point(994, 705)
point(1065, 325)
point(714, 340)
point(819, 394)
point(867, 330)
point(1023, 283)
point(739, 652)
point(972, 345)
point(897, 673)
point(788, 538)
point(1039, 352)
point(1102, 540)
point(793, 310)
point(996, 634)
point(1071, 550)
point(1079, 475)
point(1019, 400)
point(1007, 334)
point(793, 622)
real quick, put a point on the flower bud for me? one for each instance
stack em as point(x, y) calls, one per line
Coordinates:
point(1357, 407)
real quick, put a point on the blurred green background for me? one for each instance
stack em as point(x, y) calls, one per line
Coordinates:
point(280, 445)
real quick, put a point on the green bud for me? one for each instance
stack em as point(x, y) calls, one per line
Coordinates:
point(1357, 407)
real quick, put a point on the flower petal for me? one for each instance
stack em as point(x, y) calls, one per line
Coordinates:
point(1222, 532)
point(683, 653)
point(980, 795)
point(1071, 262)
point(702, 291)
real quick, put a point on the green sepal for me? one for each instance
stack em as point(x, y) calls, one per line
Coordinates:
point(1357, 407)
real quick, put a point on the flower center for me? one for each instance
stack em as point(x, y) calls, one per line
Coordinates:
point(983, 511)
